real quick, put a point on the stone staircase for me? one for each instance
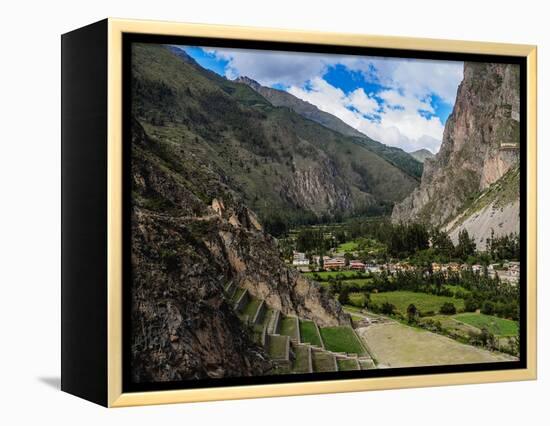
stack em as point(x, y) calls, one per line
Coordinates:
point(292, 350)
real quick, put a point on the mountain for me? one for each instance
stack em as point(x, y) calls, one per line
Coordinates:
point(280, 98)
point(480, 146)
point(191, 236)
point(422, 154)
point(283, 166)
point(212, 163)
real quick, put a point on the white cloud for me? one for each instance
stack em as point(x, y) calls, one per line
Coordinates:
point(271, 67)
point(334, 101)
point(417, 77)
point(403, 127)
point(365, 104)
point(407, 88)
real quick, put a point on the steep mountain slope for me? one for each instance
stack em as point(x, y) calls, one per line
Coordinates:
point(422, 154)
point(496, 210)
point(280, 163)
point(191, 235)
point(279, 98)
point(480, 145)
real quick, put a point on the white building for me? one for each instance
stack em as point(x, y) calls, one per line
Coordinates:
point(300, 259)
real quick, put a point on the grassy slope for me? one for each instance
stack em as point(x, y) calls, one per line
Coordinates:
point(396, 156)
point(498, 326)
point(502, 192)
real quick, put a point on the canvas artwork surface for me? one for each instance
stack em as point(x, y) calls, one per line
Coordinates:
point(298, 214)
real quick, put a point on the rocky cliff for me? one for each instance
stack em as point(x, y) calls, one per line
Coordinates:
point(480, 145)
point(191, 235)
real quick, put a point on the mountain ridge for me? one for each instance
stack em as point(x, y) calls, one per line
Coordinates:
point(282, 163)
point(281, 98)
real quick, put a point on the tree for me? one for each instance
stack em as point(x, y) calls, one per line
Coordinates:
point(348, 257)
point(488, 308)
point(387, 308)
point(448, 308)
point(412, 313)
point(343, 296)
point(466, 246)
point(442, 244)
point(471, 305)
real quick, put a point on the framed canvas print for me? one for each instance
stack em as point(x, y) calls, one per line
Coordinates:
point(250, 212)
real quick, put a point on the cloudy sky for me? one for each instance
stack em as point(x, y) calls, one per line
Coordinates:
point(399, 102)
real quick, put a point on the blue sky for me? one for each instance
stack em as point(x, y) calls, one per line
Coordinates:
point(399, 102)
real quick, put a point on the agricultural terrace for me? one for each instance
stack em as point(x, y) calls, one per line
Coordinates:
point(341, 339)
point(308, 333)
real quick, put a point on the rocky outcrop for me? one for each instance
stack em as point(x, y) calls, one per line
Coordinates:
point(191, 235)
point(422, 155)
point(480, 144)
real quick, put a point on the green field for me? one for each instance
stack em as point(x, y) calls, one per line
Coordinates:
point(347, 247)
point(456, 288)
point(498, 326)
point(423, 301)
point(308, 333)
point(324, 276)
point(288, 327)
point(357, 299)
point(341, 339)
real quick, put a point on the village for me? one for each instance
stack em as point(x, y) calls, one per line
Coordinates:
point(508, 272)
